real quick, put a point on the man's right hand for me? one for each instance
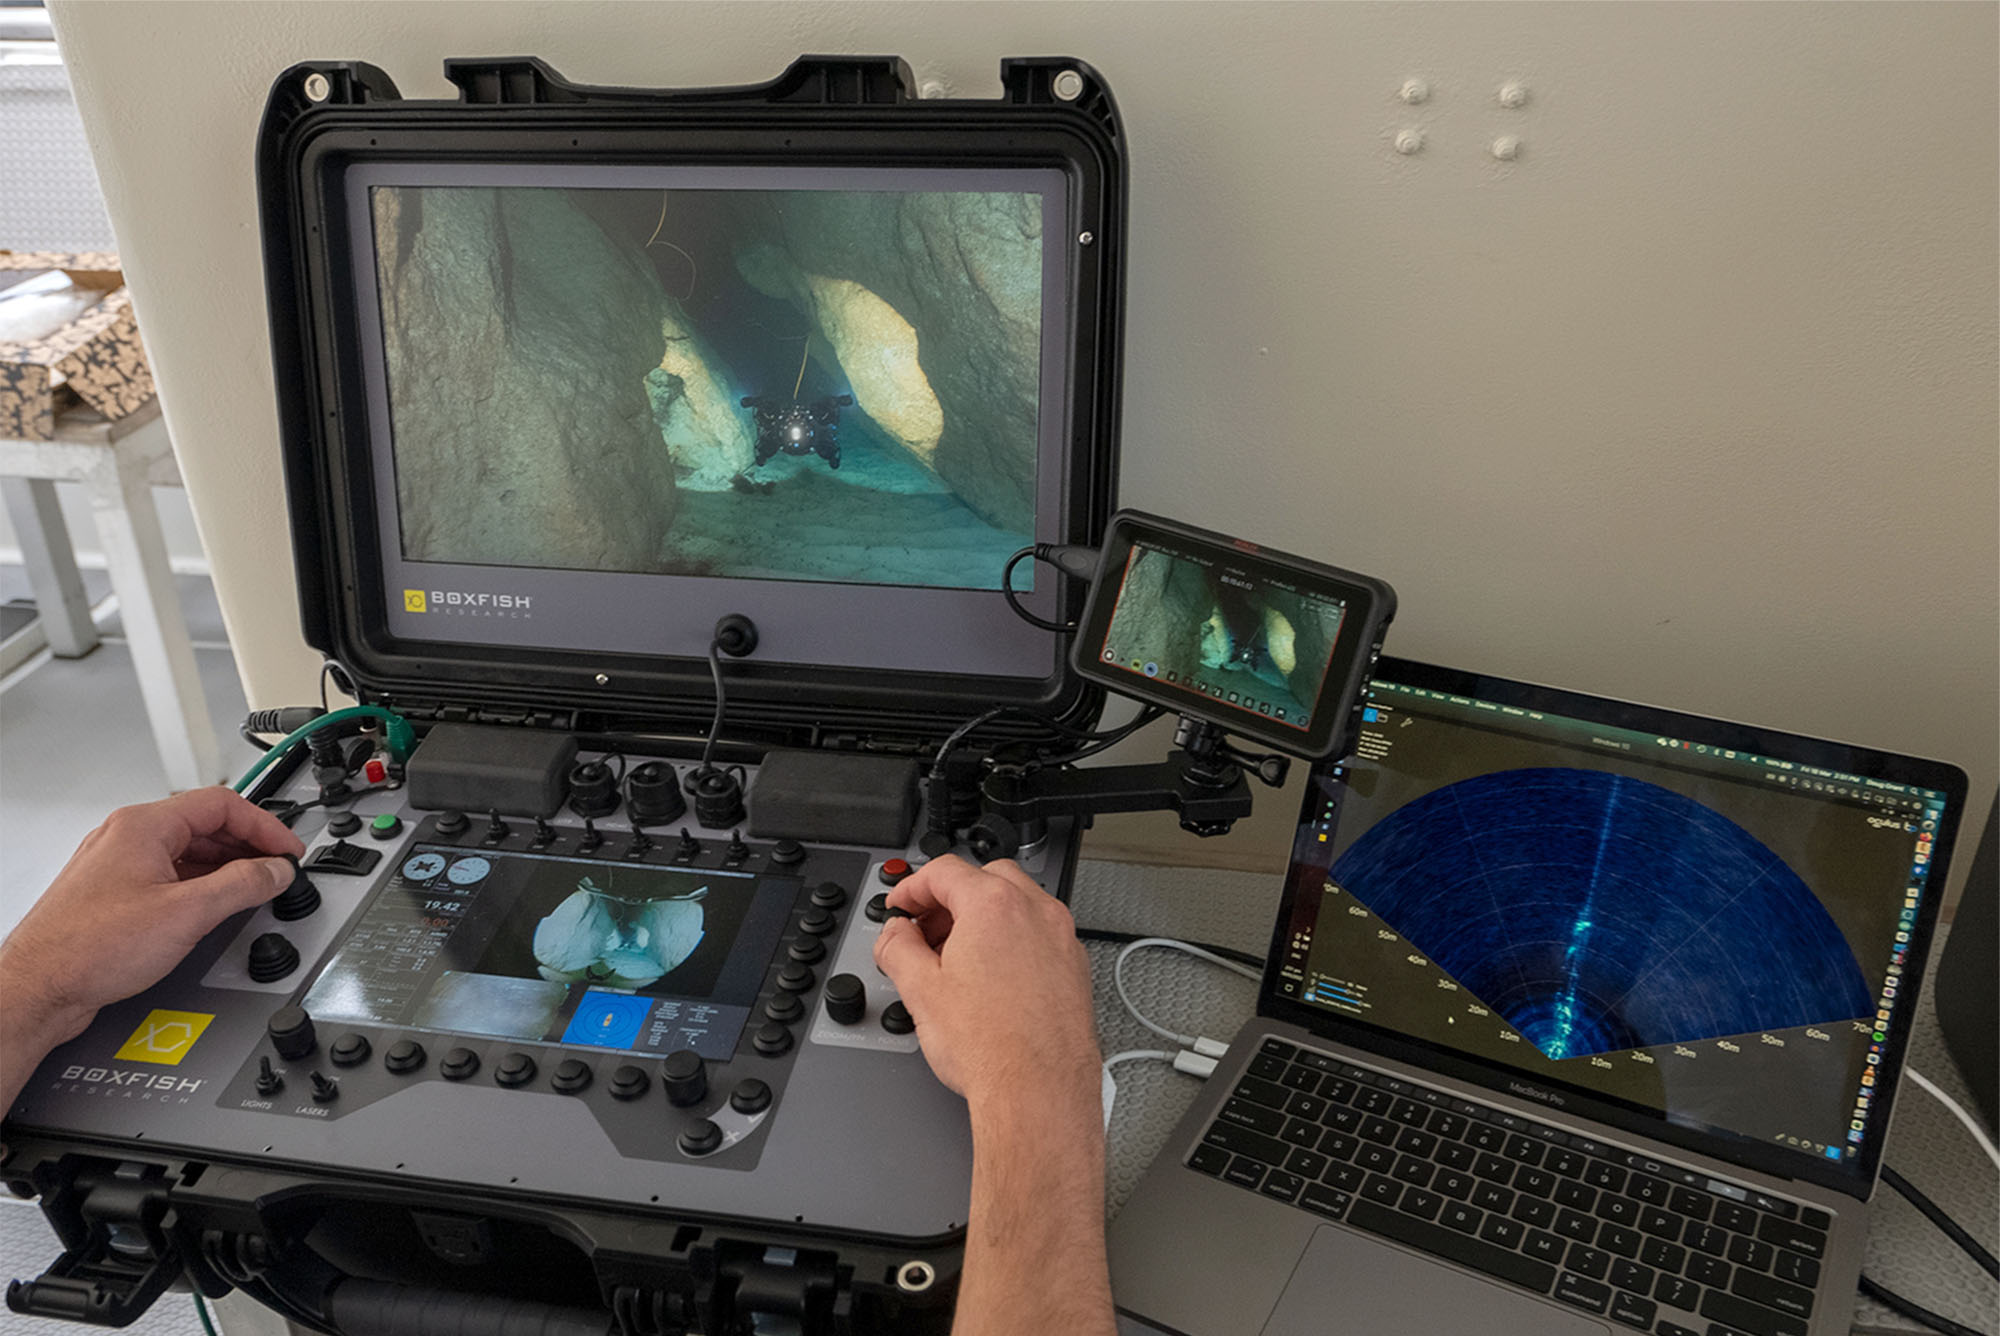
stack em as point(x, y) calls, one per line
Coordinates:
point(996, 980)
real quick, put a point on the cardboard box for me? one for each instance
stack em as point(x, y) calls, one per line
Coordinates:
point(95, 359)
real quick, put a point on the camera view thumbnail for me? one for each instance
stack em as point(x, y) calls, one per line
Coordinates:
point(825, 385)
point(1214, 631)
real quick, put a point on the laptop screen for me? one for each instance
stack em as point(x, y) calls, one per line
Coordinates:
point(1717, 927)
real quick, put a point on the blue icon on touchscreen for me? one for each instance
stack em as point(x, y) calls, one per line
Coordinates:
point(608, 1020)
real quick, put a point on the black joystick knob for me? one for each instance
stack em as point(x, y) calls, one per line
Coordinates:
point(272, 957)
point(291, 1032)
point(298, 899)
point(846, 998)
point(593, 789)
point(685, 1077)
point(718, 798)
point(653, 794)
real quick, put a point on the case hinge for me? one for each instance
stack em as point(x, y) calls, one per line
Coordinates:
point(124, 1261)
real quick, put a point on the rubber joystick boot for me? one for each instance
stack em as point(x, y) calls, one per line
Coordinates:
point(653, 795)
point(298, 899)
point(291, 1032)
point(718, 798)
point(272, 957)
point(593, 789)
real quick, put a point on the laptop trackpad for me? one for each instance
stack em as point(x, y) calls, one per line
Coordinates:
point(1350, 1283)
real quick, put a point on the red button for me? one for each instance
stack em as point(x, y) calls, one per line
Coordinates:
point(894, 871)
point(376, 772)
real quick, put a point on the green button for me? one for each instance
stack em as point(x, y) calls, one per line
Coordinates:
point(385, 825)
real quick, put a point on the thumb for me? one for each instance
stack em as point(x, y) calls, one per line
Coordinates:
point(238, 885)
point(906, 958)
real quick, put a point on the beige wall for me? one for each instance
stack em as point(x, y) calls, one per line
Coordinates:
point(1693, 402)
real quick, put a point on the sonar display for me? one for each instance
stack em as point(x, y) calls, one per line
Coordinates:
point(1598, 912)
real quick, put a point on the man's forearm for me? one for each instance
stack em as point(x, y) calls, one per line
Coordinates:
point(30, 1025)
point(1034, 1252)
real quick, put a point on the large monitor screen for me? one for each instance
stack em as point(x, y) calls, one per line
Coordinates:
point(1715, 933)
point(602, 392)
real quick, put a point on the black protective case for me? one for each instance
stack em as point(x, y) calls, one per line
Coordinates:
point(825, 110)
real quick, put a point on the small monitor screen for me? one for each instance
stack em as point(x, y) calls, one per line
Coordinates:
point(552, 950)
point(606, 398)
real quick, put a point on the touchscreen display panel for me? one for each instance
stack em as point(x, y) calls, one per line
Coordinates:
point(553, 950)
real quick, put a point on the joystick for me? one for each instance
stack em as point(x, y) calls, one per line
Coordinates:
point(737, 850)
point(296, 900)
point(272, 957)
point(590, 839)
point(642, 844)
point(496, 829)
point(291, 1032)
point(653, 795)
point(593, 789)
point(685, 1077)
point(545, 834)
point(688, 849)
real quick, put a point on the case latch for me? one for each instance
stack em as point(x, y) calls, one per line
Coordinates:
point(124, 1261)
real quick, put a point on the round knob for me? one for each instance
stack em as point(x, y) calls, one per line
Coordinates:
point(405, 1055)
point(654, 793)
point(516, 1069)
point(459, 1064)
point(291, 1032)
point(846, 998)
point(751, 1096)
point(572, 1075)
point(685, 1077)
point(629, 1082)
point(272, 957)
point(298, 899)
point(349, 1050)
point(896, 1018)
point(700, 1137)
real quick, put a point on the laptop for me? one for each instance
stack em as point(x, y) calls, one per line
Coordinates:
point(1580, 1017)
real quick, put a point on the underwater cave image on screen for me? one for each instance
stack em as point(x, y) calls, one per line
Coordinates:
point(824, 385)
point(1598, 912)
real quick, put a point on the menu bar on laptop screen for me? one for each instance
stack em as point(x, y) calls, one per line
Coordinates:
point(1716, 932)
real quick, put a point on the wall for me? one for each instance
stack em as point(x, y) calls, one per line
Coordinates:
point(1694, 401)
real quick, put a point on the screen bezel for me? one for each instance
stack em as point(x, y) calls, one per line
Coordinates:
point(1854, 1176)
point(1369, 605)
point(331, 473)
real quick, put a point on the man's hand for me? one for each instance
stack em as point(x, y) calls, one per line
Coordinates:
point(134, 899)
point(999, 986)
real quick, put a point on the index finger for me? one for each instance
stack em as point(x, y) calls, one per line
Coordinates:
point(218, 811)
point(933, 886)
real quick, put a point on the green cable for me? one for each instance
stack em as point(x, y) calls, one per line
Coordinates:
point(201, 1311)
point(397, 733)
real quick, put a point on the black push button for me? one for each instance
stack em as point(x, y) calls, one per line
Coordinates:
point(817, 923)
point(516, 1069)
point(685, 1076)
point(572, 1075)
point(459, 1064)
point(788, 853)
point(784, 1008)
point(772, 1040)
point(829, 895)
point(896, 1019)
point(895, 870)
point(272, 957)
point(877, 909)
point(342, 824)
point(349, 1050)
point(807, 950)
point(405, 1055)
point(700, 1137)
point(796, 978)
point(751, 1096)
point(629, 1082)
point(452, 823)
point(291, 1032)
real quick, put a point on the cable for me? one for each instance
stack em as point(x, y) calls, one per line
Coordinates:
point(1950, 1227)
point(1193, 1064)
point(1909, 1309)
point(249, 735)
point(1971, 1123)
point(397, 734)
point(1213, 1048)
point(1014, 602)
point(1107, 741)
point(1121, 938)
point(201, 1311)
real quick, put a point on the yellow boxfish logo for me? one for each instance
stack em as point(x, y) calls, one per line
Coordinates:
point(164, 1037)
point(414, 601)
